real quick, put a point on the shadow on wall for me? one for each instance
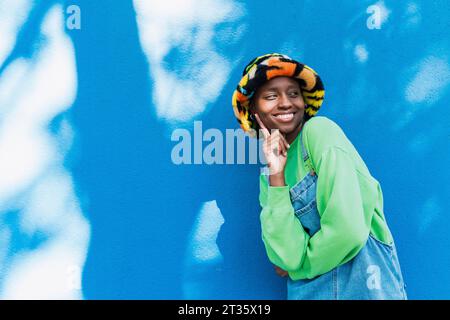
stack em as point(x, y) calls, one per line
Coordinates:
point(43, 233)
point(142, 207)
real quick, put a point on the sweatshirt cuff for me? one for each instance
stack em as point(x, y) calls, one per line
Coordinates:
point(278, 196)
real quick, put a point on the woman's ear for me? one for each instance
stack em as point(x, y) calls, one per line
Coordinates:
point(251, 112)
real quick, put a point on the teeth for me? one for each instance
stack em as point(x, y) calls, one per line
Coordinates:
point(285, 116)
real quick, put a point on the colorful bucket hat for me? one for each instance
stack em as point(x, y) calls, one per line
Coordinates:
point(265, 68)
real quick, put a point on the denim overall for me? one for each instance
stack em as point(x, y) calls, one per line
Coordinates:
point(374, 273)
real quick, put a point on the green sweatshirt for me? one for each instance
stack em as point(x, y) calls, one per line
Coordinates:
point(349, 202)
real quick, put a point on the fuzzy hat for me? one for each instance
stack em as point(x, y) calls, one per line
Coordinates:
point(265, 68)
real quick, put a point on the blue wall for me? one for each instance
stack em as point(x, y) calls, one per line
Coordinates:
point(158, 230)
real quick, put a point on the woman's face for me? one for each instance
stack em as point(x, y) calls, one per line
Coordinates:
point(279, 104)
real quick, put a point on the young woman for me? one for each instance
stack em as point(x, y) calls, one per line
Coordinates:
point(322, 215)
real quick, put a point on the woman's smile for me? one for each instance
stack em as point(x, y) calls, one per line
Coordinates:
point(284, 117)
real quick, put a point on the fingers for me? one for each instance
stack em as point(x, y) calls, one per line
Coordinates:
point(279, 142)
point(276, 140)
point(280, 272)
point(282, 148)
point(284, 144)
point(285, 141)
point(264, 130)
point(275, 144)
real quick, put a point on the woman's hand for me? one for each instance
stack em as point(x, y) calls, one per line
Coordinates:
point(280, 272)
point(275, 149)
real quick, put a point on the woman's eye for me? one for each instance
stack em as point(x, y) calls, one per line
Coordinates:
point(294, 94)
point(270, 97)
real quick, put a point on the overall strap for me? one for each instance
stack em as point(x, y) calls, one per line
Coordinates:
point(305, 156)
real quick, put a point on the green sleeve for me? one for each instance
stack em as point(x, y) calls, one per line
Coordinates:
point(344, 227)
point(283, 235)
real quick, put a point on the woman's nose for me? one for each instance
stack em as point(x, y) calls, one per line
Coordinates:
point(284, 101)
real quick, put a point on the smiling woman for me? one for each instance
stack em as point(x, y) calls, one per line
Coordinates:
point(322, 214)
